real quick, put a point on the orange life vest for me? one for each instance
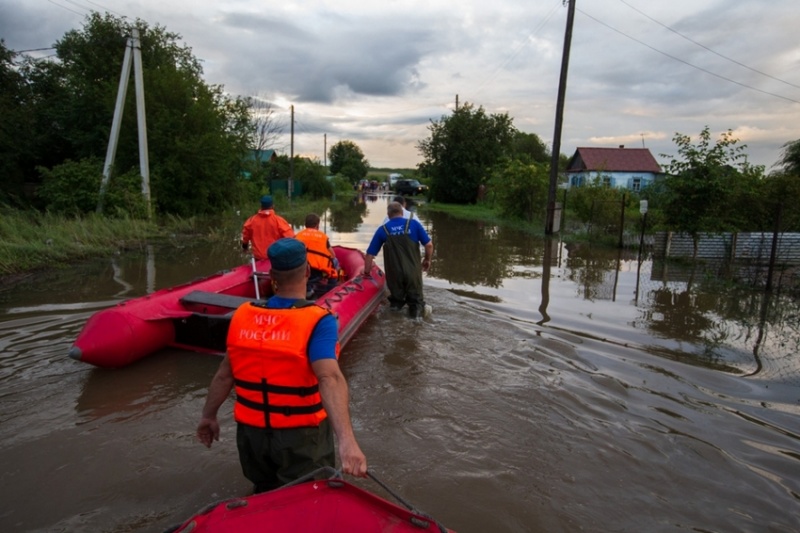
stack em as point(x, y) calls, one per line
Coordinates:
point(275, 385)
point(319, 257)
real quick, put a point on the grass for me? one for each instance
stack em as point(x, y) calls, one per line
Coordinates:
point(31, 240)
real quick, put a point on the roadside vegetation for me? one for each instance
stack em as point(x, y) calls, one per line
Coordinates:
point(210, 160)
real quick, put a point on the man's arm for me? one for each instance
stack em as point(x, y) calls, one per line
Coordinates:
point(426, 261)
point(218, 392)
point(335, 400)
point(368, 264)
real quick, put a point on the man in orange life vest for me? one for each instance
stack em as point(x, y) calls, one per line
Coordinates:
point(291, 396)
point(321, 258)
point(264, 228)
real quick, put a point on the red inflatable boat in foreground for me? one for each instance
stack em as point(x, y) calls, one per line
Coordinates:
point(331, 506)
point(195, 316)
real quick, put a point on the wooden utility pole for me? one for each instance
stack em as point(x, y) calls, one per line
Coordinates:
point(562, 90)
point(133, 48)
point(456, 102)
point(325, 150)
point(291, 159)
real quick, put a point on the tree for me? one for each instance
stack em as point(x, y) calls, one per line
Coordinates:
point(16, 156)
point(529, 148)
point(346, 158)
point(790, 159)
point(702, 184)
point(520, 189)
point(197, 136)
point(462, 150)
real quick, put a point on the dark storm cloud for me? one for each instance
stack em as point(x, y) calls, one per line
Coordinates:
point(324, 66)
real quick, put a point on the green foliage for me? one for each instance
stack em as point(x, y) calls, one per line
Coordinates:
point(462, 150)
point(596, 205)
point(346, 158)
point(310, 173)
point(790, 158)
point(520, 190)
point(73, 188)
point(529, 148)
point(16, 127)
point(197, 136)
point(705, 182)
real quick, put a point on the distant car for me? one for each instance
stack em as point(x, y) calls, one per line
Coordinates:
point(410, 187)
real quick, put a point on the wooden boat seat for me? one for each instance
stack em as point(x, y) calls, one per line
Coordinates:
point(218, 300)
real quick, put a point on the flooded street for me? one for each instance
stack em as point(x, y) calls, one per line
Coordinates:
point(554, 388)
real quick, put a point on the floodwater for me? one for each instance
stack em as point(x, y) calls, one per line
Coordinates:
point(553, 389)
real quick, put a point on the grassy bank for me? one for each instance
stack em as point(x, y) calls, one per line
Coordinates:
point(30, 240)
point(484, 213)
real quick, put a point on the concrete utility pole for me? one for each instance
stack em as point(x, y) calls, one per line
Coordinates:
point(562, 90)
point(134, 45)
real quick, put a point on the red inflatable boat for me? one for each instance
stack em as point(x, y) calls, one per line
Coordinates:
point(195, 316)
point(331, 506)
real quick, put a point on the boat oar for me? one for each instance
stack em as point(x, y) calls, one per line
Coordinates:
point(255, 277)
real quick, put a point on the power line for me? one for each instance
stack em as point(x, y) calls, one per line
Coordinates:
point(68, 9)
point(676, 32)
point(686, 62)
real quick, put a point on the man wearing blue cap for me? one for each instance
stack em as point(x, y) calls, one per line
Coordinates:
point(291, 396)
point(264, 228)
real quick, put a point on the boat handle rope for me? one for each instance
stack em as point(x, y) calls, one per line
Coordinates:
point(338, 296)
point(408, 505)
point(336, 476)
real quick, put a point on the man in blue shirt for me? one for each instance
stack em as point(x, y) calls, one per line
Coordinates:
point(402, 238)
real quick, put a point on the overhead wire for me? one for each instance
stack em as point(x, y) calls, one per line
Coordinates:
point(686, 62)
point(701, 45)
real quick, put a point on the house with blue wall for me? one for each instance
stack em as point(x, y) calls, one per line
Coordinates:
point(624, 168)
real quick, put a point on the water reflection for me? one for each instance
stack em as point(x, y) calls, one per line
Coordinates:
point(595, 383)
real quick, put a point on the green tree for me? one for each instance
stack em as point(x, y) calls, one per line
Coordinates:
point(197, 135)
point(16, 126)
point(596, 204)
point(520, 189)
point(705, 181)
point(790, 158)
point(346, 158)
point(462, 150)
point(529, 148)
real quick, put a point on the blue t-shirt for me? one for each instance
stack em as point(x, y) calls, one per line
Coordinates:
point(396, 226)
point(322, 344)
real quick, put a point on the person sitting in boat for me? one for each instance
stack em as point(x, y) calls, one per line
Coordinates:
point(321, 258)
point(291, 396)
point(264, 228)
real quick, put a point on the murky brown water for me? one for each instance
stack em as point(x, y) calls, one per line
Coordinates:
point(552, 389)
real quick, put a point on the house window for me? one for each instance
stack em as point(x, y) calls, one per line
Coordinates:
point(636, 185)
point(577, 181)
point(606, 181)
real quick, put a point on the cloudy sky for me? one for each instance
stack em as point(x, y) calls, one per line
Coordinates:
point(377, 73)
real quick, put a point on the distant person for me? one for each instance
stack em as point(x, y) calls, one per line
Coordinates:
point(291, 396)
point(321, 258)
point(262, 229)
point(406, 213)
point(402, 237)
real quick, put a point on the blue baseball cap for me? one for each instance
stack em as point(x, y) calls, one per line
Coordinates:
point(287, 254)
point(266, 201)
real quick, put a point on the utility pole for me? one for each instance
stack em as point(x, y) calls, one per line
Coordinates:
point(133, 48)
point(325, 150)
point(562, 90)
point(291, 159)
point(456, 102)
